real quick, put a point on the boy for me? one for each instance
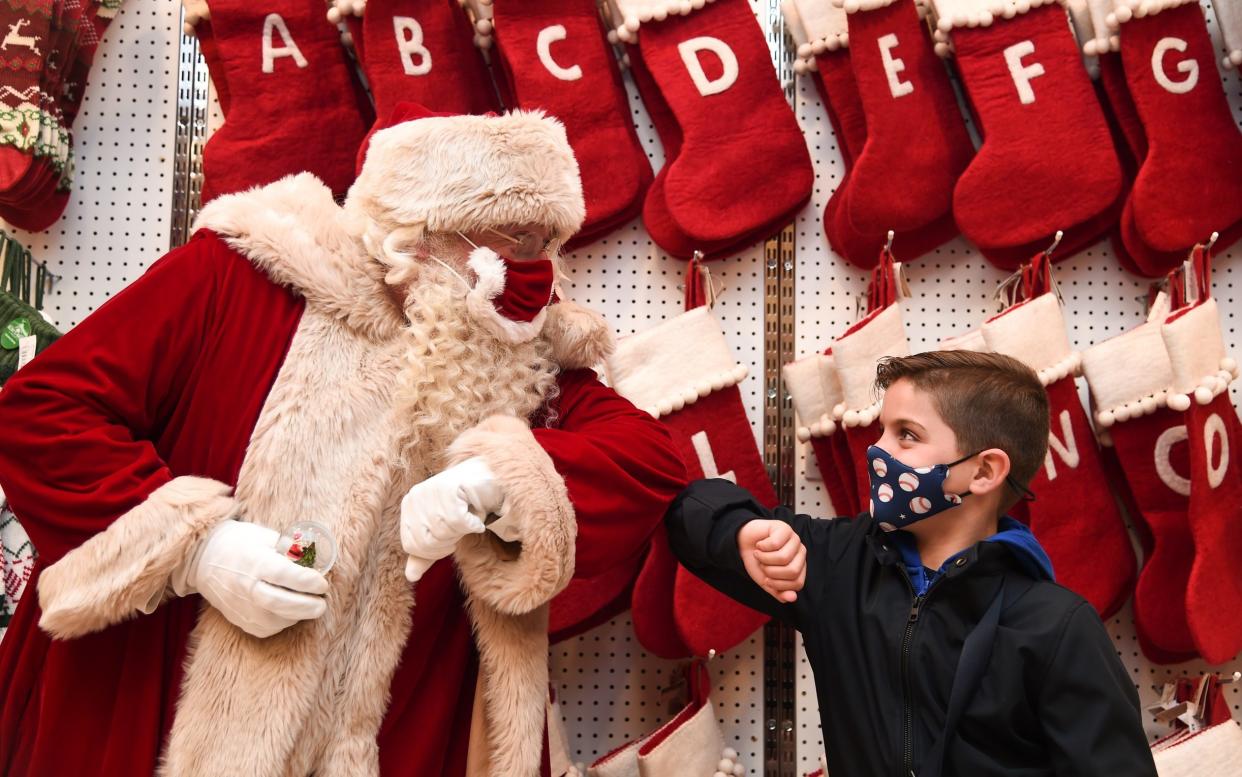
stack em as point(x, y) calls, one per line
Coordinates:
point(939, 641)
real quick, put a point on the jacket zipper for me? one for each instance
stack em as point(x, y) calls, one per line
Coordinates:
point(908, 722)
point(916, 607)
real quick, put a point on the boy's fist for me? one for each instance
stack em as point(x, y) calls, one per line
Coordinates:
point(774, 556)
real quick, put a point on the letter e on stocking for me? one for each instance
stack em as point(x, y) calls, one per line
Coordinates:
point(689, 51)
point(707, 460)
point(893, 66)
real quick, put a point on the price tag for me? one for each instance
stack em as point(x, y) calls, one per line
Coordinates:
point(26, 350)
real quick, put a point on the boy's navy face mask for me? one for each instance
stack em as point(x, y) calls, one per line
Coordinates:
point(901, 494)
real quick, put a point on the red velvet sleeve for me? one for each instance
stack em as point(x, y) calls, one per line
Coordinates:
point(620, 466)
point(79, 421)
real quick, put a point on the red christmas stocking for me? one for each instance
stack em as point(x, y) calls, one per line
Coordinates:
point(294, 102)
point(917, 143)
point(589, 602)
point(1130, 377)
point(683, 372)
point(1201, 375)
point(666, 232)
point(418, 51)
point(805, 385)
point(25, 99)
point(709, 63)
point(555, 58)
point(1074, 516)
point(48, 62)
point(821, 32)
point(1047, 162)
point(855, 354)
point(1189, 185)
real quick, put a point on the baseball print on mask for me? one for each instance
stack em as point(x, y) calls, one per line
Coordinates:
point(901, 494)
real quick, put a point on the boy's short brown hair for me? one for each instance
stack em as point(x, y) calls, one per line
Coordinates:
point(987, 399)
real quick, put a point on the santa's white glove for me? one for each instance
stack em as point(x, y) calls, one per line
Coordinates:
point(445, 507)
point(237, 568)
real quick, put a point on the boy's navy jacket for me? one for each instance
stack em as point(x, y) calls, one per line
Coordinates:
point(1055, 699)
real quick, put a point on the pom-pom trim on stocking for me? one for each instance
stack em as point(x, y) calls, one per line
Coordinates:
point(635, 13)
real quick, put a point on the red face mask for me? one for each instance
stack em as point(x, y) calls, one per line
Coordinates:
point(528, 288)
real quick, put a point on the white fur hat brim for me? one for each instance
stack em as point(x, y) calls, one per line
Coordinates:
point(469, 173)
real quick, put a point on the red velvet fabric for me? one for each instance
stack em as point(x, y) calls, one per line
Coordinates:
point(168, 379)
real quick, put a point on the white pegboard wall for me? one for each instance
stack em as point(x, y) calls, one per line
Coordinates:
point(117, 221)
point(953, 293)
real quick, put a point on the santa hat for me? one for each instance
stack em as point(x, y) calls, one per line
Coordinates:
point(467, 173)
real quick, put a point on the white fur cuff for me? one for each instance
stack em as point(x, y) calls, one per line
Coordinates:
point(116, 574)
point(516, 581)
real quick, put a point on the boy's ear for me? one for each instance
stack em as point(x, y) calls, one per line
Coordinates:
point(991, 471)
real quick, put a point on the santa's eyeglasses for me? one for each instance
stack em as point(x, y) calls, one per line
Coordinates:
point(527, 245)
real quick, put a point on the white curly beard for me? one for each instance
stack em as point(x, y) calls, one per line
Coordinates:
point(456, 373)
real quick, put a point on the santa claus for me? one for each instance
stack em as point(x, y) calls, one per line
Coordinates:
point(390, 368)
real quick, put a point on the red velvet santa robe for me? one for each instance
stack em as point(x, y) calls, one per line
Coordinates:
point(168, 379)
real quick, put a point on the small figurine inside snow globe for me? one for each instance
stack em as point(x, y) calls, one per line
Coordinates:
point(308, 544)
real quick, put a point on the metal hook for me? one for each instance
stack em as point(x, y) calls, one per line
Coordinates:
point(888, 245)
point(1212, 240)
point(1056, 241)
point(1003, 294)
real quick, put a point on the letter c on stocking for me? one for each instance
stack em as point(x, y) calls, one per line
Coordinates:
point(1164, 461)
point(548, 36)
point(689, 51)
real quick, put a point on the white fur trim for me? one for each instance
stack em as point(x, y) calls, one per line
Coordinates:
point(952, 14)
point(803, 382)
point(971, 341)
point(1215, 750)
point(688, 745)
point(1125, 10)
point(854, 6)
point(1196, 347)
point(1034, 333)
point(580, 337)
point(1129, 375)
point(635, 13)
point(537, 502)
point(296, 234)
point(467, 173)
point(855, 356)
point(674, 364)
point(1103, 37)
point(822, 26)
point(1229, 19)
point(804, 60)
point(125, 568)
point(489, 271)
